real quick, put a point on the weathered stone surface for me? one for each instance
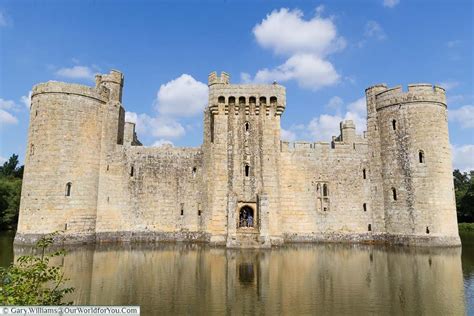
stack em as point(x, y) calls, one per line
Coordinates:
point(341, 191)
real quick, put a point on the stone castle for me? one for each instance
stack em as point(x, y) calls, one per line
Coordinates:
point(87, 174)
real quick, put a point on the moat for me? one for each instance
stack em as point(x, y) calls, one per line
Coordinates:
point(294, 279)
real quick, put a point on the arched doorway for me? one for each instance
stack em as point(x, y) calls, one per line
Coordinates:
point(246, 217)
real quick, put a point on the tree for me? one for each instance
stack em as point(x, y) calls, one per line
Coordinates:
point(10, 192)
point(9, 168)
point(464, 192)
point(32, 280)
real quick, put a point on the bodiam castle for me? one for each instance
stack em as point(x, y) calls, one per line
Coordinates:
point(87, 174)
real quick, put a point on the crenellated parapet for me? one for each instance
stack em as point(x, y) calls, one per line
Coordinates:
point(248, 98)
point(416, 93)
point(100, 93)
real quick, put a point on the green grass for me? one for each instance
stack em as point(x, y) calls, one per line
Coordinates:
point(466, 227)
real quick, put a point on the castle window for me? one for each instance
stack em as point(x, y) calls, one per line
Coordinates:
point(365, 207)
point(325, 209)
point(211, 127)
point(132, 171)
point(354, 145)
point(427, 230)
point(68, 188)
point(182, 209)
point(231, 100)
point(32, 150)
point(394, 124)
point(369, 228)
point(273, 100)
point(241, 100)
point(221, 100)
point(421, 156)
point(364, 175)
point(247, 170)
point(107, 167)
point(394, 194)
point(252, 100)
point(247, 126)
point(199, 212)
point(263, 100)
point(194, 172)
point(325, 190)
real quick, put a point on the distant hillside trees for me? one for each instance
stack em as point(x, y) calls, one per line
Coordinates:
point(464, 191)
point(10, 191)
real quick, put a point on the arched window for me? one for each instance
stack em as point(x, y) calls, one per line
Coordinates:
point(427, 230)
point(68, 188)
point(241, 100)
point(273, 100)
point(369, 228)
point(365, 207)
point(132, 171)
point(194, 172)
point(364, 174)
point(247, 170)
point(394, 124)
point(221, 99)
point(247, 126)
point(252, 100)
point(231, 100)
point(246, 217)
point(263, 100)
point(421, 156)
point(325, 190)
point(394, 194)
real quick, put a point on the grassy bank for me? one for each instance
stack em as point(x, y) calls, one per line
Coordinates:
point(466, 227)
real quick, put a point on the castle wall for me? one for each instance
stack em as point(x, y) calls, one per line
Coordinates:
point(63, 141)
point(162, 194)
point(309, 213)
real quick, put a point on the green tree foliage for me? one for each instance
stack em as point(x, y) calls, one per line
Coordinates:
point(10, 192)
point(33, 280)
point(464, 191)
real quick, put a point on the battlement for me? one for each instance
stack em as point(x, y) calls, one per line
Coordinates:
point(114, 76)
point(416, 93)
point(213, 79)
point(254, 98)
point(101, 93)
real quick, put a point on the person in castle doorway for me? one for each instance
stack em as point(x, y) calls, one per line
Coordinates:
point(250, 220)
point(243, 218)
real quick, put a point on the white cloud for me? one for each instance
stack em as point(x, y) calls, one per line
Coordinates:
point(2, 160)
point(308, 70)
point(6, 106)
point(449, 85)
point(335, 103)
point(76, 72)
point(463, 115)
point(155, 127)
point(183, 96)
point(306, 43)
point(463, 157)
point(162, 142)
point(26, 100)
point(287, 33)
point(245, 77)
point(287, 135)
point(7, 118)
point(324, 126)
point(390, 3)
point(374, 30)
point(131, 117)
point(453, 43)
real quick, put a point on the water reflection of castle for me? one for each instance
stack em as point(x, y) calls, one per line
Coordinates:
point(305, 279)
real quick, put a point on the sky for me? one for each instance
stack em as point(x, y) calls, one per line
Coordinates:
point(325, 53)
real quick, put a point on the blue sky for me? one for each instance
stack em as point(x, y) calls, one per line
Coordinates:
point(325, 53)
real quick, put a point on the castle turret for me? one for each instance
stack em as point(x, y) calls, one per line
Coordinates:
point(72, 127)
point(416, 170)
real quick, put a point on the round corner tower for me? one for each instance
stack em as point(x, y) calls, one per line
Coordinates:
point(416, 167)
point(62, 163)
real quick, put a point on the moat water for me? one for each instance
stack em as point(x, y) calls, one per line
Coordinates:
point(336, 279)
